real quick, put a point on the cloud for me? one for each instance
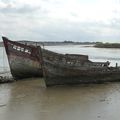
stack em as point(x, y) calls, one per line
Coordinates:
point(13, 8)
point(76, 20)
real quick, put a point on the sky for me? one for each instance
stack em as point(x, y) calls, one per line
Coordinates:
point(60, 20)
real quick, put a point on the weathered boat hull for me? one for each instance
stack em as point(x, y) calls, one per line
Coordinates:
point(59, 72)
point(23, 59)
point(63, 75)
point(24, 67)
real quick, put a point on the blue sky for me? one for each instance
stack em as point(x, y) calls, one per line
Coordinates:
point(59, 20)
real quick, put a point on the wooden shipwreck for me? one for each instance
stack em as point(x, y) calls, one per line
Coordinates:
point(62, 69)
point(57, 69)
point(23, 59)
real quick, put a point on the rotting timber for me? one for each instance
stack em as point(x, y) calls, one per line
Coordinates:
point(60, 69)
point(23, 59)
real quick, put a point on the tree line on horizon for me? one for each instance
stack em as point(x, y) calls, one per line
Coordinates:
point(107, 45)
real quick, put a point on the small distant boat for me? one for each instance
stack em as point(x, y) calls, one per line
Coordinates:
point(60, 69)
point(23, 59)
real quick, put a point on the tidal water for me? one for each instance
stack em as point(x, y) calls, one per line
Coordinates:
point(4, 66)
point(95, 54)
point(31, 100)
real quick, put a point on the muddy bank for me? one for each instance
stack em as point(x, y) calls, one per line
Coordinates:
point(31, 100)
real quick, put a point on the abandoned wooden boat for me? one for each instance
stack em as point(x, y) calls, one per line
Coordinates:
point(62, 69)
point(23, 59)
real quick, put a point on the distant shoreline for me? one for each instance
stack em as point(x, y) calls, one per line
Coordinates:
point(107, 45)
point(52, 43)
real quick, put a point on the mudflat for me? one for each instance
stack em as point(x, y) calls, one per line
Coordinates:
point(31, 100)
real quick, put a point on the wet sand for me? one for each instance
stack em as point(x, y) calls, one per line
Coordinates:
point(31, 100)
